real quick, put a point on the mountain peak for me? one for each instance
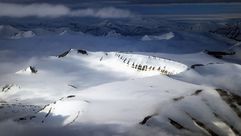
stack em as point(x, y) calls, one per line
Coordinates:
point(29, 70)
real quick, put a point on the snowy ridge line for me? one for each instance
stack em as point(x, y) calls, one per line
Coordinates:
point(72, 50)
point(28, 71)
point(151, 63)
point(218, 126)
point(69, 107)
point(231, 31)
point(233, 100)
point(139, 62)
point(8, 88)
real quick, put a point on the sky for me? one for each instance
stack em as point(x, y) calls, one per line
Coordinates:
point(119, 1)
point(116, 8)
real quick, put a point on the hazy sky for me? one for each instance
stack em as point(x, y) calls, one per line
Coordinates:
point(119, 1)
point(116, 8)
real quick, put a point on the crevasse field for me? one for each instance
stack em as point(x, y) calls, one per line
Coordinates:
point(110, 75)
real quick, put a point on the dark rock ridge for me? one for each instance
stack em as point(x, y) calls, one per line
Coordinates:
point(80, 51)
point(64, 54)
point(231, 31)
point(218, 54)
point(196, 65)
point(7, 87)
point(33, 69)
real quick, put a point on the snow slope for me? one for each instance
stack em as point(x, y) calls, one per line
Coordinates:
point(179, 101)
point(137, 77)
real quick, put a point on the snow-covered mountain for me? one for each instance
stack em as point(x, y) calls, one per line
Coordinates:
point(230, 31)
point(28, 71)
point(135, 27)
point(144, 75)
point(152, 92)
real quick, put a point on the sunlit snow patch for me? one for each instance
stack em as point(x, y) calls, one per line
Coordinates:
point(127, 62)
point(64, 111)
point(166, 36)
point(150, 64)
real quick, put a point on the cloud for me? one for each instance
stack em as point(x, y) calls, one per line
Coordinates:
point(39, 10)
point(109, 12)
point(50, 10)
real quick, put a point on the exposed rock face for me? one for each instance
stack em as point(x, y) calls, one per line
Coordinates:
point(7, 87)
point(63, 54)
point(33, 69)
point(82, 51)
point(231, 31)
point(218, 54)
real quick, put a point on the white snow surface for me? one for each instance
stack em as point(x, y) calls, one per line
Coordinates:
point(26, 71)
point(120, 85)
point(106, 90)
